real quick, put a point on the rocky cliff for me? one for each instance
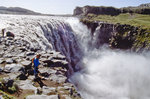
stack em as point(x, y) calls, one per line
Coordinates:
point(119, 36)
point(101, 10)
point(96, 10)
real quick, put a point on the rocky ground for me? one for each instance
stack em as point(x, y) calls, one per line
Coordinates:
point(17, 78)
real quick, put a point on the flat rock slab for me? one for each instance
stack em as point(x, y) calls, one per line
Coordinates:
point(27, 84)
point(47, 90)
point(26, 63)
point(12, 68)
point(9, 61)
point(42, 97)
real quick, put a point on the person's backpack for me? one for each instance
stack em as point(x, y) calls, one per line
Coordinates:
point(32, 60)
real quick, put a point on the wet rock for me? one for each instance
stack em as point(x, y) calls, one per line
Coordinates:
point(42, 97)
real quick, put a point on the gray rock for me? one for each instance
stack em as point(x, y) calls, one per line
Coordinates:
point(13, 75)
point(9, 61)
point(2, 60)
point(48, 70)
point(42, 97)
point(45, 55)
point(9, 38)
point(58, 78)
point(66, 97)
point(47, 90)
point(27, 84)
point(30, 53)
point(26, 63)
point(8, 82)
point(59, 63)
point(22, 49)
point(12, 68)
point(59, 56)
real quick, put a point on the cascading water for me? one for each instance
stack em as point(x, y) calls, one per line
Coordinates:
point(45, 33)
point(111, 74)
point(104, 73)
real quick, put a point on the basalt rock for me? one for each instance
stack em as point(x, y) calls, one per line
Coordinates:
point(119, 36)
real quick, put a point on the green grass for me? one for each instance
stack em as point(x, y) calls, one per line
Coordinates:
point(138, 20)
point(6, 96)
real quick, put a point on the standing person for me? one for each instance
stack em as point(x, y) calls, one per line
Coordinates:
point(3, 32)
point(36, 64)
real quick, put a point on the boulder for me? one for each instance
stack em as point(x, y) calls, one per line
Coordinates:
point(9, 61)
point(26, 63)
point(23, 49)
point(13, 75)
point(30, 53)
point(45, 55)
point(58, 78)
point(27, 84)
point(42, 97)
point(59, 63)
point(2, 61)
point(22, 76)
point(47, 90)
point(46, 71)
point(7, 82)
point(13, 68)
point(59, 57)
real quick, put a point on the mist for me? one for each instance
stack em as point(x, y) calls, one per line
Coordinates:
point(111, 74)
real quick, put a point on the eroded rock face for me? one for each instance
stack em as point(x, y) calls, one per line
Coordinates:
point(96, 10)
point(118, 36)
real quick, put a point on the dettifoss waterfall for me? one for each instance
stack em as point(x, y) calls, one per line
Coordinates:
point(97, 73)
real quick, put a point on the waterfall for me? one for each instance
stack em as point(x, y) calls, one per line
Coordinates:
point(100, 72)
point(111, 74)
point(46, 33)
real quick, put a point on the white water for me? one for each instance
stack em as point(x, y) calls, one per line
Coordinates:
point(106, 74)
point(111, 74)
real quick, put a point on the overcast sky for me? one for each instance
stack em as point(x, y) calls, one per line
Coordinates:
point(66, 6)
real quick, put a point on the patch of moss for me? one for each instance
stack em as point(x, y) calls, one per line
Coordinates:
point(12, 89)
point(6, 96)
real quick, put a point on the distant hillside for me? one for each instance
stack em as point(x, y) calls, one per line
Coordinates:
point(144, 5)
point(17, 10)
point(101, 10)
point(141, 9)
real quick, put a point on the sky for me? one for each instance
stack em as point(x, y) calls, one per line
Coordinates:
point(66, 6)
